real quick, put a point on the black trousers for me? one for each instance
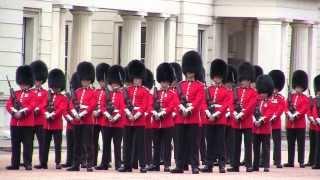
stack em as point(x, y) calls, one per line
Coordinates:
point(70, 144)
point(95, 143)
point(276, 137)
point(57, 138)
point(133, 142)
point(111, 134)
point(25, 136)
point(229, 139)
point(202, 144)
point(264, 141)
point(312, 141)
point(294, 135)
point(38, 132)
point(317, 149)
point(162, 136)
point(247, 146)
point(187, 149)
point(83, 135)
point(148, 139)
point(215, 136)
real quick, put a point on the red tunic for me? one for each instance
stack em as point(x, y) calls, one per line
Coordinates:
point(139, 96)
point(221, 99)
point(168, 101)
point(118, 102)
point(279, 103)
point(230, 108)
point(266, 109)
point(41, 101)
point(27, 100)
point(60, 106)
point(194, 93)
point(302, 104)
point(148, 114)
point(88, 101)
point(101, 99)
point(248, 99)
point(315, 114)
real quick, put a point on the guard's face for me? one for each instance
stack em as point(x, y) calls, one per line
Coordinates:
point(264, 95)
point(165, 85)
point(85, 83)
point(137, 81)
point(23, 86)
point(245, 83)
point(228, 85)
point(37, 83)
point(102, 84)
point(190, 75)
point(217, 79)
point(299, 89)
point(115, 85)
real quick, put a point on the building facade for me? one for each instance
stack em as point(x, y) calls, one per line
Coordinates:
point(275, 34)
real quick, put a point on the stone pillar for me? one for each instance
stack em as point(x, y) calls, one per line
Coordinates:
point(313, 68)
point(248, 28)
point(58, 38)
point(300, 46)
point(224, 41)
point(269, 44)
point(216, 38)
point(154, 42)
point(81, 38)
point(170, 39)
point(131, 39)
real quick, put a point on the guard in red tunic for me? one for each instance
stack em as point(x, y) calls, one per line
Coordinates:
point(148, 135)
point(74, 85)
point(56, 106)
point(217, 101)
point(114, 117)
point(136, 101)
point(312, 132)
point(245, 99)
point(99, 120)
point(40, 73)
point(261, 122)
point(296, 109)
point(21, 106)
point(278, 101)
point(191, 97)
point(82, 107)
point(316, 117)
point(164, 103)
point(230, 82)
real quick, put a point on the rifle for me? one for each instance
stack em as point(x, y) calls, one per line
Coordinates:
point(156, 102)
point(109, 105)
point(182, 97)
point(16, 104)
point(257, 112)
point(127, 99)
point(236, 101)
point(74, 99)
point(50, 104)
point(291, 108)
point(209, 100)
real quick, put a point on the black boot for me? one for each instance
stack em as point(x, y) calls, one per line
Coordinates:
point(74, 168)
point(206, 169)
point(12, 167)
point(102, 167)
point(143, 170)
point(124, 169)
point(222, 169)
point(153, 168)
point(288, 165)
point(176, 170)
point(166, 169)
point(66, 165)
point(28, 167)
point(195, 170)
point(233, 169)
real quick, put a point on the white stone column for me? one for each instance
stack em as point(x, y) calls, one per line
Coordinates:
point(170, 35)
point(81, 38)
point(285, 54)
point(131, 39)
point(300, 45)
point(154, 42)
point(248, 28)
point(216, 38)
point(313, 69)
point(224, 41)
point(269, 44)
point(58, 38)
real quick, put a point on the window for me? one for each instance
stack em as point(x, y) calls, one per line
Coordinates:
point(143, 43)
point(66, 48)
point(200, 41)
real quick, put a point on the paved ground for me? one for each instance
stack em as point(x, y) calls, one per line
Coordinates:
point(51, 173)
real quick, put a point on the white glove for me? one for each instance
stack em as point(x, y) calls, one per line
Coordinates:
point(182, 108)
point(116, 117)
point(69, 118)
point(13, 109)
point(155, 115)
point(208, 113)
point(239, 116)
point(311, 119)
point(47, 115)
point(228, 114)
point(318, 120)
point(129, 114)
point(273, 118)
point(174, 114)
point(189, 108)
point(290, 116)
point(24, 110)
point(162, 112)
point(235, 114)
point(296, 114)
point(216, 114)
point(83, 113)
point(83, 106)
point(107, 115)
point(137, 115)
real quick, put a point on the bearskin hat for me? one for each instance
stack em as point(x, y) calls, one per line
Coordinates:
point(201, 76)
point(57, 79)
point(148, 80)
point(300, 79)
point(116, 74)
point(136, 69)
point(24, 75)
point(218, 68)
point(85, 71)
point(75, 81)
point(177, 71)
point(278, 79)
point(231, 75)
point(101, 71)
point(39, 70)
point(257, 71)
point(191, 62)
point(264, 84)
point(246, 72)
point(316, 84)
point(165, 72)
